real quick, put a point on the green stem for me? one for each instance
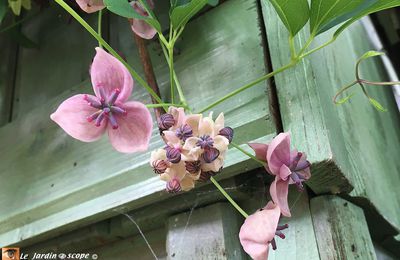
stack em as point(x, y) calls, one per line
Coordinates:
point(248, 154)
point(292, 48)
point(318, 48)
point(171, 70)
point(343, 90)
point(177, 83)
point(308, 43)
point(379, 83)
point(229, 198)
point(249, 85)
point(99, 26)
point(164, 104)
point(135, 75)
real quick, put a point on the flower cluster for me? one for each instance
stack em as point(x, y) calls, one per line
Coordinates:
point(288, 167)
point(195, 148)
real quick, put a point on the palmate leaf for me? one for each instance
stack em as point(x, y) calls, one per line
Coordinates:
point(293, 14)
point(379, 5)
point(180, 15)
point(124, 9)
point(323, 12)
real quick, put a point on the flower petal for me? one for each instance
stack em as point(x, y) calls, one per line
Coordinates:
point(108, 73)
point(193, 122)
point(159, 154)
point(179, 116)
point(134, 129)
point(278, 152)
point(177, 170)
point(258, 230)
point(221, 143)
point(279, 190)
point(72, 115)
point(206, 127)
point(219, 123)
point(90, 6)
point(170, 138)
point(187, 183)
point(139, 26)
point(260, 150)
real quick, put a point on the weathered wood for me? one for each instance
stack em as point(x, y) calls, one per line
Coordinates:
point(341, 229)
point(73, 184)
point(205, 233)
point(358, 142)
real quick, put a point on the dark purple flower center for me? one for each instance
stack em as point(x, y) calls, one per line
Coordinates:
point(173, 154)
point(209, 155)
point(166, 121)
point(279, 233)
point(107, 109)
point(297, 167)
point(227, 132)
point(184, 132)
point(173, 186)
point(205, 142)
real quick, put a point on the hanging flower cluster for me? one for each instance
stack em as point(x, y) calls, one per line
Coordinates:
point(288, 167)
point(195, 148)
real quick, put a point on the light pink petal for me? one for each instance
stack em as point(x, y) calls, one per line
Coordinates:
point(221, 143)
point(139, 26)
point(278, 152)
point(187, 183)
point(206, 127)
point(90, 6)
point(134, 129)
point(72, 115)
point(284, 172)
point(260, 150)
point(193, 122)
point(179, 116)
point(258, 230)
point(219, 123)
point(170, 138)
point(177, 170)
point(108, 73)
point(279, 190)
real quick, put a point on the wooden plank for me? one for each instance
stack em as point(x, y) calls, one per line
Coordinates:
point(60, 62)
point(205, 233)
point(341, 229)
point(359, 144)
point(72, 184)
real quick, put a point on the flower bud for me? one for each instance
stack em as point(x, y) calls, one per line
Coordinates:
point(193, 167)
point(159, 166)
point(173, 186)
point(209, 155)
point(173, 154)
point(184, 132)
point(227, 132)
point(166, 121)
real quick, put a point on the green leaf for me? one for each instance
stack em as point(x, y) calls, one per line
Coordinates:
point(349, 15)
point(124, 9)
point(377, 105)
point(370, 54)
point(3, 9)
point(380, 5)
point(181, 15)
point(344, 100)
point(324, 12)
point(213, 2)
point(293, 14)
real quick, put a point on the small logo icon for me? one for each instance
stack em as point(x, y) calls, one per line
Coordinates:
point(62, 256)
point(10, 253)
point(95, 256)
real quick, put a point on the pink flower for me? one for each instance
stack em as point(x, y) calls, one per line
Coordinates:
point(288, 167)
point(87, 117)
point(259, 230)
point(139, 26)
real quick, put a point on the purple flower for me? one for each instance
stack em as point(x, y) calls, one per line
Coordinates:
point(288, 167)
point(87, 118)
